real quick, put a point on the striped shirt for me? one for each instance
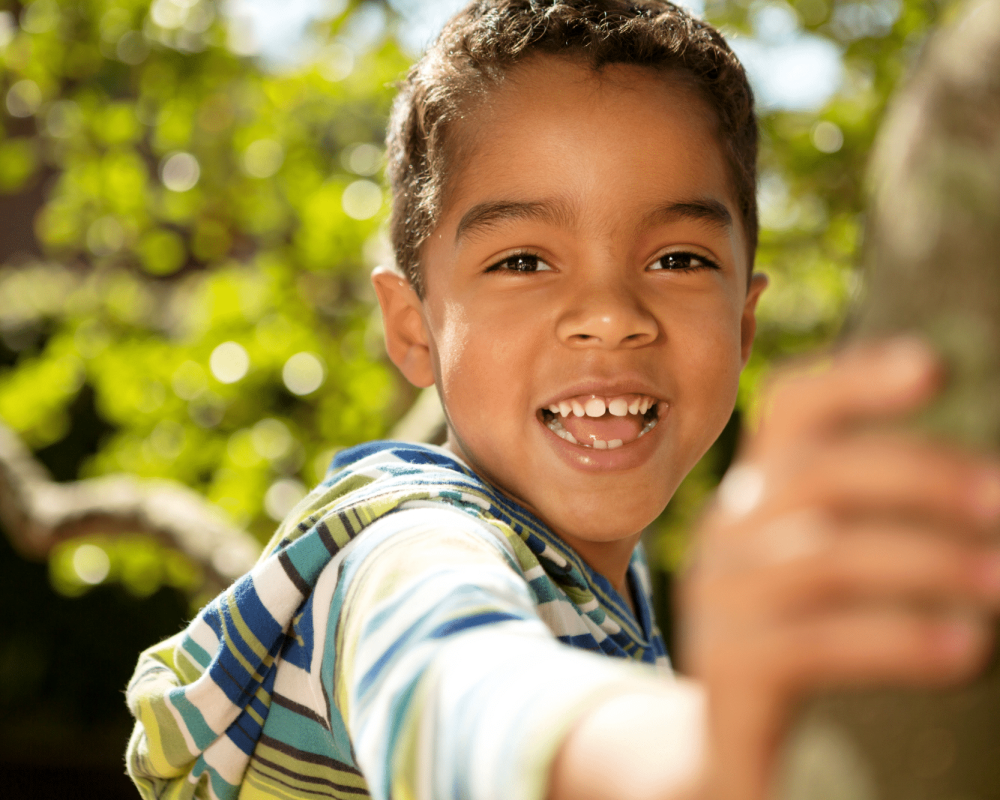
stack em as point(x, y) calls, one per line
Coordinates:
point(403, 635)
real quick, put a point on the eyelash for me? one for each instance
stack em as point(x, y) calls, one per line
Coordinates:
point(687, 258)
point(529, 263)
point(531, 259)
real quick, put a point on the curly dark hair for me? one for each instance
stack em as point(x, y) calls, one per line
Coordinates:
point(480, 44)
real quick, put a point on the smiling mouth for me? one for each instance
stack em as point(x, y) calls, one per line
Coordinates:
point(602, 423)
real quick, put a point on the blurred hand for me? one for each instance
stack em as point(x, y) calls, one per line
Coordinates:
point(837, 554)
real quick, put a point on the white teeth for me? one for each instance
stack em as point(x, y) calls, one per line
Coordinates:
point(595, 407)
point(557, 428)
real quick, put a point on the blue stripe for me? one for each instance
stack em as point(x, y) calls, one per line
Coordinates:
point(265, 627)
point(473, 621)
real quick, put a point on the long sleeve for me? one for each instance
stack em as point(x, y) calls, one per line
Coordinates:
point(409, 632)
point(450, 683)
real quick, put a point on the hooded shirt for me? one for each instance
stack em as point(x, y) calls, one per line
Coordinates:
point(408, 632)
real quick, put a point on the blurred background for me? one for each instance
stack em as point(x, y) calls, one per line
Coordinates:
point(191, 200)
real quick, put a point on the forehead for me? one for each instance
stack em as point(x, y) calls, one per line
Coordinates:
point(557, 128)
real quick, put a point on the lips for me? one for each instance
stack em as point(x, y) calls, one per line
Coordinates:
point(602, 422)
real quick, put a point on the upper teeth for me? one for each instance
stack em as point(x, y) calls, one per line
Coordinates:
point(597, 406)
point(618, 407)
point(594, 407)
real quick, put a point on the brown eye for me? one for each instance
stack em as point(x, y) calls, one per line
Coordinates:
point(681, 262)
point(523, 262)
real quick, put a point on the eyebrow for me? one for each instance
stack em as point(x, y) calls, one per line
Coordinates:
point(486, 215)
point(703, 209)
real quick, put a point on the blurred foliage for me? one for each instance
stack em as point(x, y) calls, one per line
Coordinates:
point(203, 239)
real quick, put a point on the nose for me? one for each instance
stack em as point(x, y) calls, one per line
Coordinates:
point(607, 317)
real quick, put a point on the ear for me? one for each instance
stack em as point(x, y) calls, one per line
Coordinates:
point(406, 338)
point(748, 322)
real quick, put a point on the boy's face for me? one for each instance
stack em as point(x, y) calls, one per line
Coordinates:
point(589, 247)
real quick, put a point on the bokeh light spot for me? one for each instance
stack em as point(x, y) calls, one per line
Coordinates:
point(41, 16)
point(7, 28)
point(263, 158)
point(132, 48)
point(271, 438)
point(229, 362)
point(362, 199)
point(24, 98)
point(169, 13)
point(337, 63)
point(827, 137)
point(180, 172)
point(282, 497)
point(303, 373)
point(362, 158)
point(91, 564)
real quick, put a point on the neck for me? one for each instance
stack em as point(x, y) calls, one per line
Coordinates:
point(610, 559)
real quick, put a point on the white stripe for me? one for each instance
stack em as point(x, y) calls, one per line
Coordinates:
point(227, 759)
point(276, 591)
point(553, 556)
point(201, 633)
point(609, 625)
point(206, 695)
point(562, 619)
point(590, 605)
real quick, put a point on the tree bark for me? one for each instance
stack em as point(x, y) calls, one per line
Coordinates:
point(38, 512)
point(933, 267)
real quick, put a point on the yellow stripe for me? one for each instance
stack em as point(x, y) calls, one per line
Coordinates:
point(306, 768)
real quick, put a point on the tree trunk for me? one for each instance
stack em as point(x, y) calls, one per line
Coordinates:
point(933, 266)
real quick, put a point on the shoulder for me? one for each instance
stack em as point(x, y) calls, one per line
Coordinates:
point(426, 534)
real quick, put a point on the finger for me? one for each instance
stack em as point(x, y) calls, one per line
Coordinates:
point(882, 473)
point(860, 383)
point(870, 646)
point(882, 562)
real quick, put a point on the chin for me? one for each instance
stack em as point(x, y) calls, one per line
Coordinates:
point(607, 521)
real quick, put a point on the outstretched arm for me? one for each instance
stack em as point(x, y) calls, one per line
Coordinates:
point(836, 555)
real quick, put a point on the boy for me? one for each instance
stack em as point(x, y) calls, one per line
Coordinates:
point(575, 223)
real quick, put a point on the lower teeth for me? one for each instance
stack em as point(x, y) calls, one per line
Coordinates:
point(556, 426)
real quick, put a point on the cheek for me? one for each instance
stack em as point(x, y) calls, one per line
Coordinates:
point(712, 358)
point(451, 342)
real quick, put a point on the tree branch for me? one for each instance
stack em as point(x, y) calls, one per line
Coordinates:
point(38, 512)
